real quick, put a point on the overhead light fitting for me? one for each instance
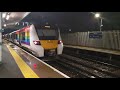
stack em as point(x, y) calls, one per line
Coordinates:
point(8, 16)
point(4, 25)
point(16, 23)
point(3, 15)
point(47, 26)
point(97, 15)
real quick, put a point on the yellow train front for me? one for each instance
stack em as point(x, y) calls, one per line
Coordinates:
point(40, 40)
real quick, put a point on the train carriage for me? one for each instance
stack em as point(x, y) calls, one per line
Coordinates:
point(40, 40)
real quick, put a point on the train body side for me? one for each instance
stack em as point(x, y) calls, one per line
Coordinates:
point(28, 37)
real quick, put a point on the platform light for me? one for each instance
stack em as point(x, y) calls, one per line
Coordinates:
point(3, 15)
point(8, 16)
point(97, 15)
point(5, 25)
point(47, 26)
point(69, 30)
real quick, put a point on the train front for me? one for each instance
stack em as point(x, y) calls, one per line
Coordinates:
point(50, 40)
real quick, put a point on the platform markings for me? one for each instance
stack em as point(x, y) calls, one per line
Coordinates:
point(54, 69)
point(94, 49)
point(25, 69)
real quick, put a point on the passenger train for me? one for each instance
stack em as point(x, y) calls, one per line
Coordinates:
point(40, 40)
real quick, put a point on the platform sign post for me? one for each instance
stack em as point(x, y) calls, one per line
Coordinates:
point(0, 37)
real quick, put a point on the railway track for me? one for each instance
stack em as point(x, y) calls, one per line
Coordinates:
point(67, 69)
point(97, 57)
point(97, 67)
point(82, 68)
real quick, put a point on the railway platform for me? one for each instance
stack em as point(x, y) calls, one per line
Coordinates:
point(17, 63)
point(114, 52)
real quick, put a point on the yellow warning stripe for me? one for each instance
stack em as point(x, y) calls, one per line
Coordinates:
point(25, 69)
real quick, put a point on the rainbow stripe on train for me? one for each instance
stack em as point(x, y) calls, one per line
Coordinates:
point(27, 35)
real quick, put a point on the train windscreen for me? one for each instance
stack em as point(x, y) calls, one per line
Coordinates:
point(47, 34)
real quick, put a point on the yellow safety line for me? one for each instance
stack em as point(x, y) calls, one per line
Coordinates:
point(25, 69)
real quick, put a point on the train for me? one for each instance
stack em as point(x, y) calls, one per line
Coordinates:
point(41, 40)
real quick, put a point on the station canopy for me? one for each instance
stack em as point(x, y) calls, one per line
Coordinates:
point(10, 19)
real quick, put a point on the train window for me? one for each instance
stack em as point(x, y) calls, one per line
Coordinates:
point(15, 36)
point(23, 35)
point(11, 36)
point(8, 36)
point(47, 34)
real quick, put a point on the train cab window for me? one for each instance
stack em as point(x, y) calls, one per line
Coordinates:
point(47, 34)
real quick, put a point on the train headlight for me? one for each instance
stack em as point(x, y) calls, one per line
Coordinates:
point(36, 42)
point(59, 41)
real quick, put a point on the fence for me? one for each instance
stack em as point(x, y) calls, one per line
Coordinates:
point(109, 39)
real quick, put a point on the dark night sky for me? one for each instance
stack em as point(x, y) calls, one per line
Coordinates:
point(76, 21)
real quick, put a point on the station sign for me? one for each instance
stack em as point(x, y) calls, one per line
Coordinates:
point(97, 35)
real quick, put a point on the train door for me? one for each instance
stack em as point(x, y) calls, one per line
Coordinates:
point(20, 35)
point(13, 37)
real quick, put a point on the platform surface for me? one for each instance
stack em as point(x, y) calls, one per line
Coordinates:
point(17, 63)
point(95, 49)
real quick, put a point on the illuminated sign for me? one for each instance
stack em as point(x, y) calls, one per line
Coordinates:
point(47, 26)
point(95, 35)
